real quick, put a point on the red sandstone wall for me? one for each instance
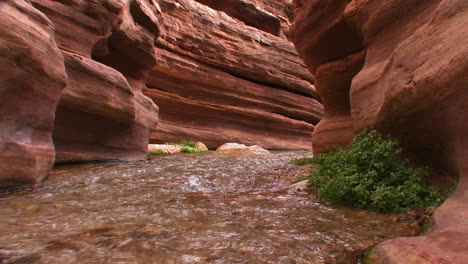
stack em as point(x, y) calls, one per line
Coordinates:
point(218, 80)
point(399, 66)
point(74, 72)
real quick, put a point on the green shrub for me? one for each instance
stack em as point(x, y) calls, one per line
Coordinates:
point(190, 144)
point(187, 149)
point(156, 153)
point(370, 174)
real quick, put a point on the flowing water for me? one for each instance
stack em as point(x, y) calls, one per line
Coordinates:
point(186, 208)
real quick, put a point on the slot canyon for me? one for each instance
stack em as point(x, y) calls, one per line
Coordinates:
point(87, 86)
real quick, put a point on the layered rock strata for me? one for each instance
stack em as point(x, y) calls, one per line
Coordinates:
point(71, 84)
point(401, 68)
point(75, 72)
point(248, 13)
point(218, 80)
point(31, 80)
point(108, 50)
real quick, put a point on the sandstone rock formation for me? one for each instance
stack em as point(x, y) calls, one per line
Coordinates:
point(73, 71)
point(217, 80)
point(248, 13)
point(76, 71)
point(399, 66)
point(31, 80)
point(108, 50)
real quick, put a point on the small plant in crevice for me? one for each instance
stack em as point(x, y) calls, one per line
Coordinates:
point(187, 146)
point(156, 153)
point(186, 149)
point(371, 174)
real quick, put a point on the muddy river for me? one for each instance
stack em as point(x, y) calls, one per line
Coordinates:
point(185, 208)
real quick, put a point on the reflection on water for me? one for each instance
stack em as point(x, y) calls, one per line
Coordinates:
point(188, 208)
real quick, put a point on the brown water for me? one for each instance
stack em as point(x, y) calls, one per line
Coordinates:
point(188, 208)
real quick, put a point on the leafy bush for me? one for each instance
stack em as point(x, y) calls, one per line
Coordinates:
point(370, 174)
point(156, 153)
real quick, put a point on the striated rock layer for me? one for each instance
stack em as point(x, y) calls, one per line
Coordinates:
point(108, 51)
point(399, 66)
point(31, 79)
point(218, 80)
point(74, 73)
point(71, 83)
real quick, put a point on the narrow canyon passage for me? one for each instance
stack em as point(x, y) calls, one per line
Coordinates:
point(185, 208)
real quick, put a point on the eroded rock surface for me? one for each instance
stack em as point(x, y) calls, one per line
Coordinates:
point(217, 80)
point(108, 50)
point(31, 80)
point(399, 66)
point(248, 13)
point(76, 71)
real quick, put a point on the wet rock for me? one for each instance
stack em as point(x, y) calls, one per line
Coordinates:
point(299, 186)
point(236, 147)
point(231, 146)
point(31, 80)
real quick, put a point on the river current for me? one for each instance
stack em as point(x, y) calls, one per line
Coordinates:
point(184, 208)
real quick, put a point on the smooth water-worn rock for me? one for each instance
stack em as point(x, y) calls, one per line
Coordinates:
point(236, 147)
point(169, 149)
point(218, 80)
point(108, 50)
point(201, 145)
point(32, 76)
point(399, 66)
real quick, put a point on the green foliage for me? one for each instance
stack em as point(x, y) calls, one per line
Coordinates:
point(370, 174)
point(187, 149)
point(184, 143)
point(190, 144)
point(156, 153)
point(187, 146)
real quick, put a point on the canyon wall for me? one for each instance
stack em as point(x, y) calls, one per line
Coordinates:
point(108, 49)
point(84, 80)
point(219, 80)
point(31, 80)
point(398, 66)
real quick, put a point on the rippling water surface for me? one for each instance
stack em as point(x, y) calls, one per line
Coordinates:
point(187, 208)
